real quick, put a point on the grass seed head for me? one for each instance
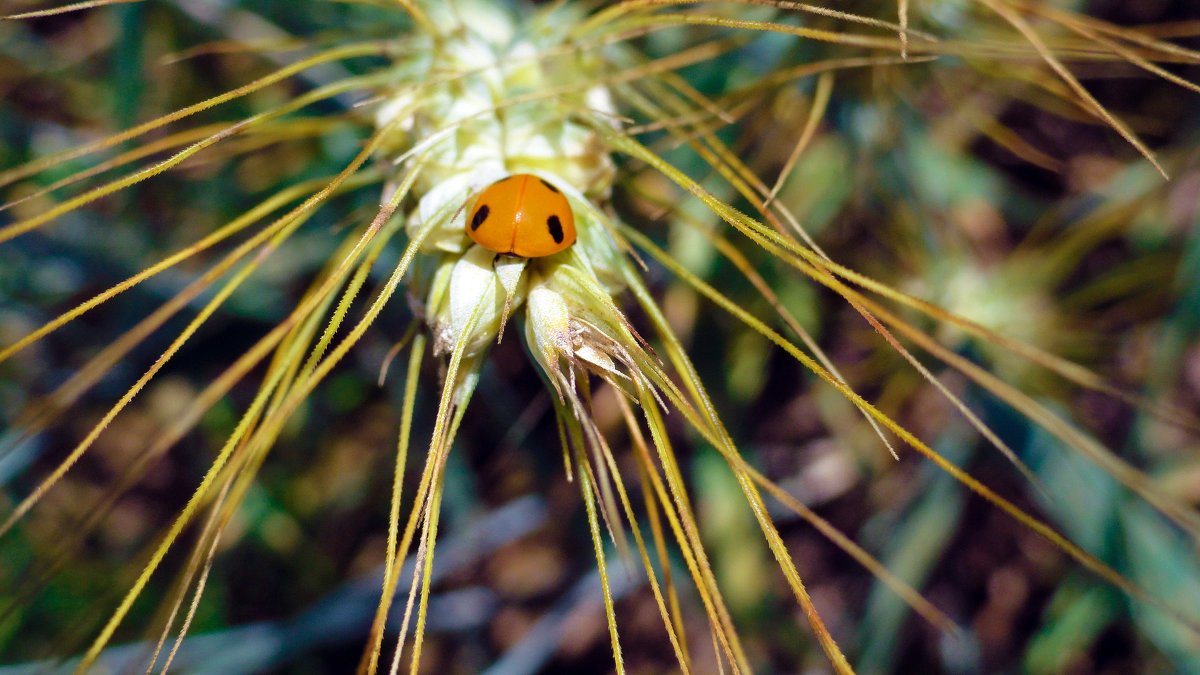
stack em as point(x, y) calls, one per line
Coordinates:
point(497, 98)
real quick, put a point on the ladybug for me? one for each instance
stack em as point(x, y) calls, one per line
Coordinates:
point(522, 215)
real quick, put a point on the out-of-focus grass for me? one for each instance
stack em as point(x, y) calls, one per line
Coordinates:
point(970, 183)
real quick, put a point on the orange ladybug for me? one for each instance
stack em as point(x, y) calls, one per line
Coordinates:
point(522, 215)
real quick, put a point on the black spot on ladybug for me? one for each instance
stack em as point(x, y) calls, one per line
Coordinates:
point(555, 227)
point(549, 186)
point(480, 216)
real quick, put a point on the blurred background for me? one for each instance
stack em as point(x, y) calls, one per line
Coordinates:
point(977, 183)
